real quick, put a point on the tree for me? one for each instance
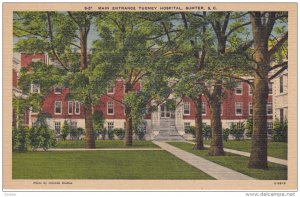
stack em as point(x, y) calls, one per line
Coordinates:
point(263, 24)
point(132, 38)
point(64, 36)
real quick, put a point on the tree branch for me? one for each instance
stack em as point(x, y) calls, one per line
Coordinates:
point(239, 78)
point(278, 66)
point(51, 43)
point(113, 98)
point(237, 27)
point(278, 72)
point(278, 44)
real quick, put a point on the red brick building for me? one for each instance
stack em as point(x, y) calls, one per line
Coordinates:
point(236, 108)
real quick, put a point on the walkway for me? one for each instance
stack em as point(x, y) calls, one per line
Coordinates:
point(246, 154)
point(96, 149)
point(217, 171)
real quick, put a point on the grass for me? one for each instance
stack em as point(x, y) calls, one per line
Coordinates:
point(275, 149)
point(102, 165)
point(105, 144)
point(238, 163)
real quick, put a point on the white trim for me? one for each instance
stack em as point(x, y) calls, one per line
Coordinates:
point(239, 86)
point(185, 114)
point(60, 107)
point(38, 88)
point(57, 92)
point(250, 88)
point(250, 104)
point(235, 107)
point(110, 124)
point(113, 106)
point(204, 104)
point(69, 107)
point(269, 104)
point(77, 102)
point(113, 92)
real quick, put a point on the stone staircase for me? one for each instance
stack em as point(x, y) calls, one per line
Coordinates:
point(168, 131)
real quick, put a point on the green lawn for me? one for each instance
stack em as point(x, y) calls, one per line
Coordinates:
point(105, 144)
point(102, 165)
point(238, 163)
point(275, 149)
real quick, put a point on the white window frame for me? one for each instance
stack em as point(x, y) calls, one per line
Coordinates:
point(55, 92)
point(189, 108)
point(110, 124)
point(204, 107)
point(236, 105)
point(270, 85)
point(73, 125)
point(60, 107)
point(109, 103)
point(34, 60)
point(250, 90)
point(270, 125)
point(240, 86)
point(70, 103)
point(249, 108)
point(32, 87)
point(57, 124)
point(186, 125)
point(269, 105)
point(77, 102)
point(113, 90)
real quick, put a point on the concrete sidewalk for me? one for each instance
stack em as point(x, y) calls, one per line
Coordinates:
point(96, 149)
point(215, 170)
point(247, 154)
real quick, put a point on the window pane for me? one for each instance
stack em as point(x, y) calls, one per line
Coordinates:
point(77, 107)
point(70, 107)
point(58, 107)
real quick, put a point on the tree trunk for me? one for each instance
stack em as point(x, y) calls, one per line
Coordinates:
point(258, 157)
point(128, 128)
point(199, 135)
point(259, 149)
point(89, 135)
point(216, 144)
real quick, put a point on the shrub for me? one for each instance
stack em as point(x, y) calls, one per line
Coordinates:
point(280, 131)
point(35, 138)
point(42, 136)
point(140, 131)
point(65, 130)
point(20, 139)
point(237, 133)
point(249, 127)
point(110, 134)
point(103, 133)
point(225, 134)
point(120, 133)
point(76, 132)
point(206, 129)
point(191, 130)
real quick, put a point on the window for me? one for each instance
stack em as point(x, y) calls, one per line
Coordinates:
point(110, 108)
point(250, 109)
point(111, 90)
point(187, 125)
point(239, 125)
point(281, 115)
point(33, 124)
point(57, 109)
point(281, 84)
point(57, 90)
point(35, 88)
point(70, 107)
point(77, 108)
point(57, 127)
point(250, 90)
point(110, 125)
point(186, 108)
point(239, 89)
point(36, 59)
point(238, 109)
point(269, 109)
point(270, 88)
point(270, 125)
point(203, 108)
point(73, 125)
